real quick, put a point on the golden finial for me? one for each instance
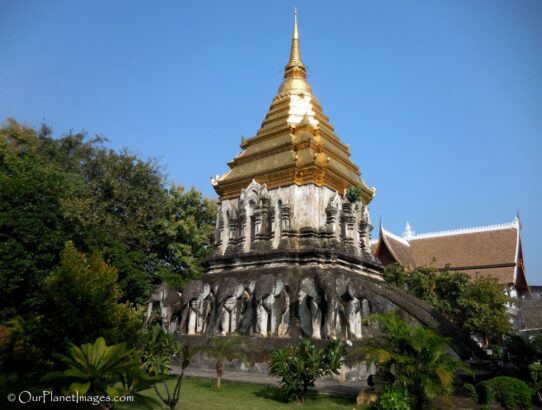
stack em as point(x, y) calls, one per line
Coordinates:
point(296, 34)
point(295, 66)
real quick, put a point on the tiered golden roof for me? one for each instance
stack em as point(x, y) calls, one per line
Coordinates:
point(296, 144)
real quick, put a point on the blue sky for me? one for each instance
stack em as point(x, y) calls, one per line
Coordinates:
point(440, 101)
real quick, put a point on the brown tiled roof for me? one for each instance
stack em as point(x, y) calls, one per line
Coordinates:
point(489, 251)
point(399, 249)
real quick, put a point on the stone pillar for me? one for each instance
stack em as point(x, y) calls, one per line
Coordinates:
point(233, 235)
point(347, 223)
point(219, 229)
point(285, 221)
point(241, 240)
point(331, 220)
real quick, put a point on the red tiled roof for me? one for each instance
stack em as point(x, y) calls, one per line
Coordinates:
point(489, 251)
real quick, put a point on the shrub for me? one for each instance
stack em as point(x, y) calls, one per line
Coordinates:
point(100, 370)
point(353, 193)
point(396, 398)
point(418, 356)
point(535, 371)
point(299, 366)
point(471, 391)
point(510, 392)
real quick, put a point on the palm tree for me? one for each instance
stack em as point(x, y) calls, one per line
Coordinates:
point(523, 349)
point(418, 357)
point(224, 349)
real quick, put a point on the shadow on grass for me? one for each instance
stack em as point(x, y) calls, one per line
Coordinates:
point(275, 394)
point(271, 393)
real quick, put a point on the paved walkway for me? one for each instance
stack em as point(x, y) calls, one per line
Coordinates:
point(350, 389)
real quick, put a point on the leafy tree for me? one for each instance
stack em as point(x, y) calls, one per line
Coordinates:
point(158, 349)
point(475, 304)
point(189, 228)
point(83, 300)
point(33, 228)
point(418, 357)
point(481, 309)
point(224, 349)
point(449, 288)
point(396, 274)
point(79, 302)
point(111, 205)
point(98, 369)
point(299, 366)
point(53, 190)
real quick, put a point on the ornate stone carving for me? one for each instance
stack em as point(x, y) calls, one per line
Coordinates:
point(168, 299)
point(228, 306)
point(272, 304)
point(195, 307)
point(309, 312)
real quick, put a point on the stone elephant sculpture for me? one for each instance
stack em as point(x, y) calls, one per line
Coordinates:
point(228, 306)
point(195, 307)
point(356, 307)
point(272, 306)
point(332, 289)
point(169, 299)
point(309, 311)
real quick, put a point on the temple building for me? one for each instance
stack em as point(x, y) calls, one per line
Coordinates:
point(292, 245)
point(493, 251)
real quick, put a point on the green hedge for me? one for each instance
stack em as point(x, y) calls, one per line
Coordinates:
point(510, 392)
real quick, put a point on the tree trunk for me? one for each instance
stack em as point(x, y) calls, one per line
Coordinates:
point(219, 371)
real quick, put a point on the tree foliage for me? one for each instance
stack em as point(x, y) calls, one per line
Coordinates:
point(509, 392)
point(79, 302)
point(224, 349)
point(158, 349)
point(54, 190)
point(475, 304)
point(418, 357)
point(300, 365)
point(59, 196)
point(100, 370)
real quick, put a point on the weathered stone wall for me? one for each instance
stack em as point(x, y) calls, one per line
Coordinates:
point(270, 216)
point(258, 352)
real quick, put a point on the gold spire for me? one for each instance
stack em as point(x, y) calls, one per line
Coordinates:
point(296, 144)
point(295, 53)
point(295, 73)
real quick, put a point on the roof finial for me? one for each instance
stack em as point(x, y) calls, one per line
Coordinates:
point(408, 233)
point(295, 67)
point(296, 34)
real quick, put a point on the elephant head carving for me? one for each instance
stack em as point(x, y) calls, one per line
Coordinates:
point(332, 290)
point(169, 300)
point(228, 305)
point(272, 304)
point(309, 312)
point(194, 307)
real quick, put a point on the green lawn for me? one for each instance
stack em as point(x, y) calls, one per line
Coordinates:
point(201, 394)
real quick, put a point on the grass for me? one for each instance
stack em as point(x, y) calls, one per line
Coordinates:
point(201, 394)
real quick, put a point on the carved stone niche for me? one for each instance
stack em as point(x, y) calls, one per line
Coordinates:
point(333, 216)
point(365, 229)
point(253, 214)
point(262, 224)
point(285, 220)
point(347, 223)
